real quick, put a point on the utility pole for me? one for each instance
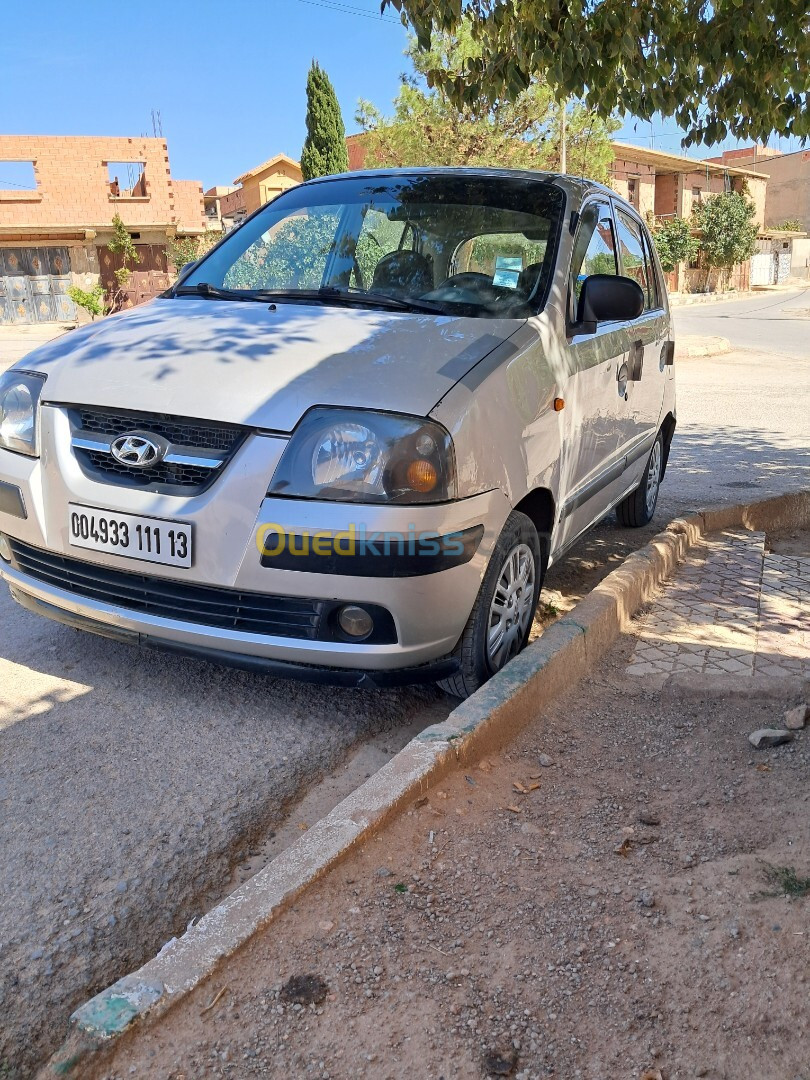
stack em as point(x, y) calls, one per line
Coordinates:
point(563, 153)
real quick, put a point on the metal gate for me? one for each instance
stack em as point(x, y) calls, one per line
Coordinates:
point(33, 285)
point(148, 277)
point(763, 268)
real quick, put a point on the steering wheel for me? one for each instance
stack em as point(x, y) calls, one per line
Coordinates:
point(468, 280)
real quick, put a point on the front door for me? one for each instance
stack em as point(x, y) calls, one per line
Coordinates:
point(647, 335)
point(591, 461)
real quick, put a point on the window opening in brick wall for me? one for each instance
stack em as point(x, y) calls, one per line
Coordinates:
point(126, 179)
point(17, 176)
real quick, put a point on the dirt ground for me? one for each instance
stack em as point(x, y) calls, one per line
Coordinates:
point(607, 899)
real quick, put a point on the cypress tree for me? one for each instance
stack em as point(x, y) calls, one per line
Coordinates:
point(324, 150)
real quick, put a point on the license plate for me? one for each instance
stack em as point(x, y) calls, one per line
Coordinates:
point(157, 540)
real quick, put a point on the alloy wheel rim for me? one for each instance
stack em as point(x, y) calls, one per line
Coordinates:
point(512, 605)
point(653, 477)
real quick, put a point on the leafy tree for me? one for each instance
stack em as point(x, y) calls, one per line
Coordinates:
point(674, 242)
point(427, 129)
point(791, 225)
point(324, 150)
point(121, 244)
point(185, 249)
point(719, 68)
point(728, 233)
point(92, 301)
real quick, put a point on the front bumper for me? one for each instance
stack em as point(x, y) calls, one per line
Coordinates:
point(429, 610)
point(348, 677)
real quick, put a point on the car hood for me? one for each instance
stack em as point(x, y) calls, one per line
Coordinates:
point(251, 363)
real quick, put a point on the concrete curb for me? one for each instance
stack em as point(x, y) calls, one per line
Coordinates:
point(691, 345)
point(483, 724)
point(688, 299)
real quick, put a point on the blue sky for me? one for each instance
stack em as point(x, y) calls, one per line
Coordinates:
point(228, 78)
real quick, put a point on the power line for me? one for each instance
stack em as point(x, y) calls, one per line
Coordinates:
point(346, 9)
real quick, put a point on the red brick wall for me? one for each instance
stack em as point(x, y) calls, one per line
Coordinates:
point(73, 188)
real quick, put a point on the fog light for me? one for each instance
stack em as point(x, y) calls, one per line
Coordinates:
point(5, 549)
point(354, 621)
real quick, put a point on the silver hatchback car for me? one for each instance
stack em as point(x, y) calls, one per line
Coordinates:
point(350, 440)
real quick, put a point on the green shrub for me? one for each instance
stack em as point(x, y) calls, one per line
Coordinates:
point(674, 243)
point(92, 301)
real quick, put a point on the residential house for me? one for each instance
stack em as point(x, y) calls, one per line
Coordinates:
point(212, 201)
point(55, 227)
point(257, 187)
point(788, 191)
point(662, 185)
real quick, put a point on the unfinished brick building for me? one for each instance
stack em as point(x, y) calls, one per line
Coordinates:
point(56, 223)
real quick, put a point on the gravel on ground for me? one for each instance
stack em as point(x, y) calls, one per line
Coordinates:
point(620, 894)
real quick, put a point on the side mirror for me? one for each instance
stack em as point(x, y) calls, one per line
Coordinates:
point(608, 298)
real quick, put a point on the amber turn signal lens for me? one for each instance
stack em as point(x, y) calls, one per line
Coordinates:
point(422, 476)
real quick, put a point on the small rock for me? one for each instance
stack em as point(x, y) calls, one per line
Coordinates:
point(646, 898)
point(121, 887)
point(648, 817)
point(500, 1062)
point(765, 738)
point(304, 990)
point(326, 925)
point(545, 761)
point(383, 872)
point(795, 719)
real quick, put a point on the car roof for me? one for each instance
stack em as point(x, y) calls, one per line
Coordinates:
point(581, 185)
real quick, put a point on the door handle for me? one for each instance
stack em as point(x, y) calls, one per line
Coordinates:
point(636, 360)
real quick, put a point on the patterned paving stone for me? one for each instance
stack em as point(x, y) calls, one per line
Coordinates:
point(731, 609)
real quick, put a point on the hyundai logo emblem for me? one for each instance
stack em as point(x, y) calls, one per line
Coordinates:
point(137, 450)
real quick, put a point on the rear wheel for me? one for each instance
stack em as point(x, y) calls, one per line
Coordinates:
point(638, 507)
point(499, 624)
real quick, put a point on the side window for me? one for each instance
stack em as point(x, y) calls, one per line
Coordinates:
point(594, 248)
point(635, 260)
point(504, 258)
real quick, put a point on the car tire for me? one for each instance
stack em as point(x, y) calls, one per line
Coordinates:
point(503, 610)
point(638, 507)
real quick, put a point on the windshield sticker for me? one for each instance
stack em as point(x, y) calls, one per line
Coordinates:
point(507, 271)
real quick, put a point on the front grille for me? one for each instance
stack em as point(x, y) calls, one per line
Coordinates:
point(215, 442)
point(207, 605)
point(227, 609)
point(164, 473)
point(176, 429)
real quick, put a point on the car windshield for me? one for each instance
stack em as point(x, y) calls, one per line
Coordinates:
point(467, 244)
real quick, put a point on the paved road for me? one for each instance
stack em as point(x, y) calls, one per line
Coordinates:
point(130, 783)
point(773, 319)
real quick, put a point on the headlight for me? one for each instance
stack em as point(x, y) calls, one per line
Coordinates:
point(366, 457)
point(19, 399)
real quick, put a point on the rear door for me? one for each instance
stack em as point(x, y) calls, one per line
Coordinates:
point(645, 374)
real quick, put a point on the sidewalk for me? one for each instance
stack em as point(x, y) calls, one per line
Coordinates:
point(611, 898)
point(18, 340)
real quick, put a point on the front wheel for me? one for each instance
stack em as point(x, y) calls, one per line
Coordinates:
point(638, 507)
point(499, 624)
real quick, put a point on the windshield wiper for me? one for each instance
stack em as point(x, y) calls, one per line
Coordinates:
point(214, 292)
point(355, 296)
point(396, 303)
point(324, 294)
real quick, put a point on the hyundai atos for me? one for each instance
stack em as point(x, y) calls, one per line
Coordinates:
point(349, 442)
